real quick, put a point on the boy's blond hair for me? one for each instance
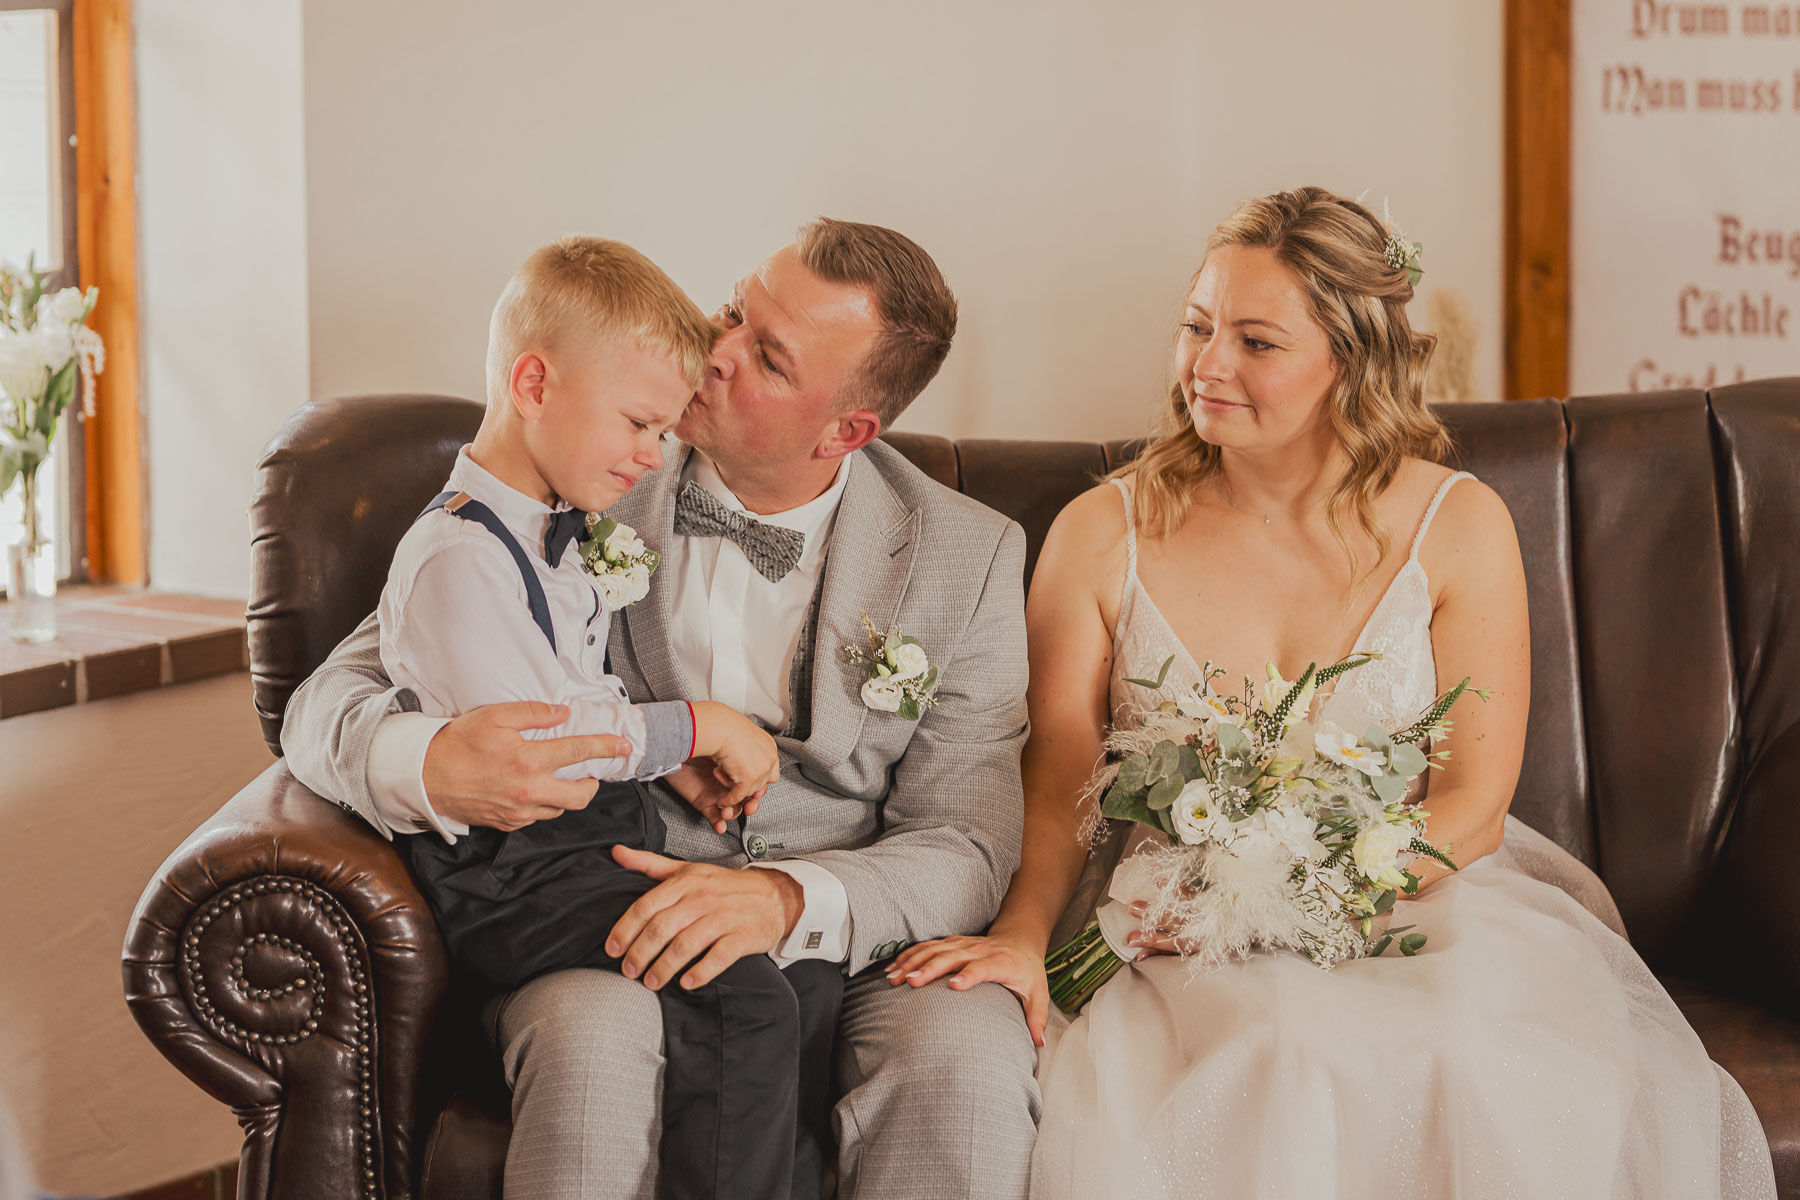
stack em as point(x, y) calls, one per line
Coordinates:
point(590, 290)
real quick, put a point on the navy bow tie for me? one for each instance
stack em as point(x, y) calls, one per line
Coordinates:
point(565, 527)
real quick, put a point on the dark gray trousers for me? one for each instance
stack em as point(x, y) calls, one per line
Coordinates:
point(746, 1103)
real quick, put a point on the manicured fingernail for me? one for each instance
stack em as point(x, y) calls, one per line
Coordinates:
point(612, 948)
point(956, 981)
point(914, 974)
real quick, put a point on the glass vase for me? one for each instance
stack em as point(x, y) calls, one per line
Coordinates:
point(31, 576)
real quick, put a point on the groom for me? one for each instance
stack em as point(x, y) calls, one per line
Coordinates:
point(780, 531)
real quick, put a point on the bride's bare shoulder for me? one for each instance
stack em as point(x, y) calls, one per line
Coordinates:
point(1091, 520)
point(1472, 532)
point(1087, 539)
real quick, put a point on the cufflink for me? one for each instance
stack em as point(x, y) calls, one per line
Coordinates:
point(814, 939)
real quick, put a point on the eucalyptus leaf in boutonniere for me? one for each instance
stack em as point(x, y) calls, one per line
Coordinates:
point(618, 560)
point(901, 678)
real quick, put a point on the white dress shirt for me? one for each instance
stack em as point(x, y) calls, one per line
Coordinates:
point(457, 630)
point(735, 632)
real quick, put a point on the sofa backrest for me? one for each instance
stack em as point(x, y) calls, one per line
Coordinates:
point(1658, 533)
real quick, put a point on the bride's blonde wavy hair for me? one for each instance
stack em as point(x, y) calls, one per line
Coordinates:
point(1336, 248)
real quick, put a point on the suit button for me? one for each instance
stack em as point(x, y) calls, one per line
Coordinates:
point(756, 845)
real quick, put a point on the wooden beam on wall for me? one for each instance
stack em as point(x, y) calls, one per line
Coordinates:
point(1539, 34)
point(106, 237)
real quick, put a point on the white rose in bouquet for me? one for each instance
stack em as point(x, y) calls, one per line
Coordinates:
point(883, 694)
point(1295, 831)
point(1276, 690)
point(909, 662)
point(1197, 816)
point(1377, 851)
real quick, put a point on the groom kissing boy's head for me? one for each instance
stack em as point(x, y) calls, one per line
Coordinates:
point(593, 353)
point(823, 346)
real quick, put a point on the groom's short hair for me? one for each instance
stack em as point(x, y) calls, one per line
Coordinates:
point(918, 311)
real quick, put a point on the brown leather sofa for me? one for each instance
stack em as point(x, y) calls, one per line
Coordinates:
point(282, 959)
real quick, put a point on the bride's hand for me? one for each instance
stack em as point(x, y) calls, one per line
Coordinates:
point(1150, 941)
point(1009, 962)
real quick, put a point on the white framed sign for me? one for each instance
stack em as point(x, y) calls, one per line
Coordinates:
point(1685, 214)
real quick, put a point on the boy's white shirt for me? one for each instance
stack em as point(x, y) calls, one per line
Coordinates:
point(457, 631)
point(719, 600)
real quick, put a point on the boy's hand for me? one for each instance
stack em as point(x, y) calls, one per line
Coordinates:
point(695, 782)
point(744, 759)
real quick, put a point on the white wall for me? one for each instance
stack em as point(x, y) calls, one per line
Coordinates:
point(222, 246)
point(1062, 160)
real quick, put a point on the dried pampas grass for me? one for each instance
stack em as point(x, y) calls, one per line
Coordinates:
point(1451, 376)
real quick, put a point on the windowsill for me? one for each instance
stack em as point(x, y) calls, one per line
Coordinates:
point(112, 641)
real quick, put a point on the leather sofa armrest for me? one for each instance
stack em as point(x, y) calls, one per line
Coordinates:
point(282, 959)
point(1760, 916)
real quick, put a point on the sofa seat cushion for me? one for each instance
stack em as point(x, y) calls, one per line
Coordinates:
point(1762, 1052)
point(465, 1155)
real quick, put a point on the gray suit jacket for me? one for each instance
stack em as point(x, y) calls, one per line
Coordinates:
point(921, 821)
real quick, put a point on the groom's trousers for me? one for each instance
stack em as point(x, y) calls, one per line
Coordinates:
point(514, 906)
point(938, 1099)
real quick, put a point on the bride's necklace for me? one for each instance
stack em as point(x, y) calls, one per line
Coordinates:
point(1267, 518)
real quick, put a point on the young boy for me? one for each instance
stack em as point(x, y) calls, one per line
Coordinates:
point(593, 354)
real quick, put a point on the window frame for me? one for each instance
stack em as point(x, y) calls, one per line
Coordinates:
point(68, 274)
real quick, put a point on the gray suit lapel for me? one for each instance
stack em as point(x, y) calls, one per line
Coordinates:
point(650, 509)
point(867, 570)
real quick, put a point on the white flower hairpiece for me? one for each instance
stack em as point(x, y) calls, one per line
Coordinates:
point(1400, 252)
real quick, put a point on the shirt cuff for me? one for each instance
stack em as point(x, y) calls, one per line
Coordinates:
point(668, 737)
point(823, 930)
point(396, 775)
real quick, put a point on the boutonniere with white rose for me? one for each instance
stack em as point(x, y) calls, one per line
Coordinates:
point(901, 679)
point(618, 560)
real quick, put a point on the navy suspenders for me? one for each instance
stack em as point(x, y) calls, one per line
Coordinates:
point(471, 509)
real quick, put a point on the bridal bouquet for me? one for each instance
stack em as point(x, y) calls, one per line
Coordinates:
point(1284, 830)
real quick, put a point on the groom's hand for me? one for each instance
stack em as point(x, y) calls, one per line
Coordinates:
point(698, 911)
point(481, 770)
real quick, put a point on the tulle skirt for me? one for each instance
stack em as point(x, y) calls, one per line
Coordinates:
point(1526, 1051)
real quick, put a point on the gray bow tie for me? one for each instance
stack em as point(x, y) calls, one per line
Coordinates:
point(772, 550)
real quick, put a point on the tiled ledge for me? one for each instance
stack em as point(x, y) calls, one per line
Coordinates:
point(110, 641)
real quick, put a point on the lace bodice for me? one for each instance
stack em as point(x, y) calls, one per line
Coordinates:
point(1387, 692)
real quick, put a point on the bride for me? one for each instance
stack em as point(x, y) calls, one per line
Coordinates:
point(1291, 511)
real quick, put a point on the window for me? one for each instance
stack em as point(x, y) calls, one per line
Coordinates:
point(37, 218)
